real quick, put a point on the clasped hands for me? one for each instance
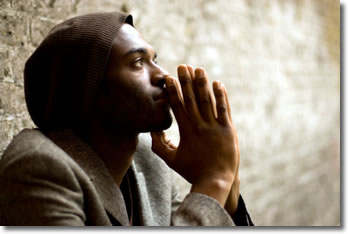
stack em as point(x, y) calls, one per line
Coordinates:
point(208, 152)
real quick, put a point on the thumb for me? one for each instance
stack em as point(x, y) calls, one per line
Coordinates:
point(163, 147)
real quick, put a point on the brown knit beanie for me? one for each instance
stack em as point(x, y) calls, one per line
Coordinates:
point(62, 76)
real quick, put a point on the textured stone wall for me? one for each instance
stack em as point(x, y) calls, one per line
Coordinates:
point(279, 60)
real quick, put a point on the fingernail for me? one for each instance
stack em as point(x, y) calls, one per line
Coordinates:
point(200, 73)
point(181, 71)
point(219, 84)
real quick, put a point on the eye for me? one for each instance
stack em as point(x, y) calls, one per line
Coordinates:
point(139, 62)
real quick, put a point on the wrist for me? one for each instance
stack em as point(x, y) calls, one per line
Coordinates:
point(233, 198)
point(215, 188)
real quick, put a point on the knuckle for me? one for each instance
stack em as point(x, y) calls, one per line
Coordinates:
point(189, 99)
point(221, 108)
point(219, 93)
point(204, 100)
point(171, 89)
point(202, 129)
point(174, 98)
point(201, 82)
point(175, 101)
point(185, 81)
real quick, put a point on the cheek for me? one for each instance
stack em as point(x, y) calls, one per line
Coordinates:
point(131, 96)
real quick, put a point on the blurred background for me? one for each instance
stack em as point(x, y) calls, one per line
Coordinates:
point(279, 60)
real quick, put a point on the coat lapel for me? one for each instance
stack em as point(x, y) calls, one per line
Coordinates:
point(109, 193)
point(145, 211)
point(151, 179)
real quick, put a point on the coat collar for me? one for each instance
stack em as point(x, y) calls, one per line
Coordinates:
point(108, 191)
point(145, 211)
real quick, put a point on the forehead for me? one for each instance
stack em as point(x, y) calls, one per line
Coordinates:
point(128, 39)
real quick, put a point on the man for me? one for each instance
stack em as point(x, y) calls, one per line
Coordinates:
point(92, 86)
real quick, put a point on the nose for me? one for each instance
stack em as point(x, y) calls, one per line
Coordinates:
point(158, 76)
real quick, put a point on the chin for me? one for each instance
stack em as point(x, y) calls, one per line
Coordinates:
point(166, 124)
point(160, 125)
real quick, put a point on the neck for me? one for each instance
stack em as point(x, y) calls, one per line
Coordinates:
point(116, 148)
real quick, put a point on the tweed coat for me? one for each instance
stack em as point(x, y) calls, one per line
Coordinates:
point(59, 180)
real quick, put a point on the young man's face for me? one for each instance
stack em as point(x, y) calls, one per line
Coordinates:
point(134, 99)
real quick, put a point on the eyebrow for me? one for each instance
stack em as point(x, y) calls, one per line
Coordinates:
point(138, 50)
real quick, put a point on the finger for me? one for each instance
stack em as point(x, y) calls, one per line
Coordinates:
point(160, 146)
point(192, 73)
point(228, 104)
point(213, 103)
point(193, 77)
point(187, 92)
point(167, 141)
point(238, 154)
point(175, 100)
point(178, 89)
point(221, 107)
point(205, 100)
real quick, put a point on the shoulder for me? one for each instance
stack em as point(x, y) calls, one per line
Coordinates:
point(28, 142)
point(32, 160)
point(32, 152)
point(32, 142)
point(34, 169)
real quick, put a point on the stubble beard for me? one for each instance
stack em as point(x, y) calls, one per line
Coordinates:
point(141, 118)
